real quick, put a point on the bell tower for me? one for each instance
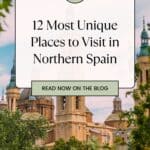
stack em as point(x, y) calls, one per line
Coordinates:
point(144, 63)
point(12, 92)
point(144, 57)
point(117, 105)
point(70, 117)
point(144, 35)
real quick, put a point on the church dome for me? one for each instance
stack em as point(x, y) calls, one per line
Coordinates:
point(26, 94)
point(115, 120)
point(117, 98)
point(145, 51)
point(113, 117)
point(43, 97)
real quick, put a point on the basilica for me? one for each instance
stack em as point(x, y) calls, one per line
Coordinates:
point(68, 115)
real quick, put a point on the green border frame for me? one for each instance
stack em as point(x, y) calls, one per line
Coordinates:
point(114, 81)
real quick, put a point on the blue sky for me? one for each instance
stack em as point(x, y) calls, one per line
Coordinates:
point(100, 106)
point(6, 55)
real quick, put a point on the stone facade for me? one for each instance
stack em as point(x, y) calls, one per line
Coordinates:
point(12, 97)
point(73, 118)
point(89, 116)
point(42, 105)
point(70, 117)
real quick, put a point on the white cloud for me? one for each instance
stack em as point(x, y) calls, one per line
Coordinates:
point(2, 68)
point(4, 79)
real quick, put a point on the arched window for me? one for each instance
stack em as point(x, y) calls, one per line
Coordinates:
point(63, 103)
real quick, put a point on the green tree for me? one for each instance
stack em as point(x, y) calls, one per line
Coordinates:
point(139, 139)
point(19, 134)
point(71, 144)
point(60, 145)
point(4, 9)
point(74, 144)
point(92, 144)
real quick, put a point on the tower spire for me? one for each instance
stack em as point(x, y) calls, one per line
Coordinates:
point(13, 92)
point(12, 82)
point(144, 40)
point(144, 26)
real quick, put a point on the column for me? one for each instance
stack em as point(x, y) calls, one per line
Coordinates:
point(9, 104)
point(14, 105)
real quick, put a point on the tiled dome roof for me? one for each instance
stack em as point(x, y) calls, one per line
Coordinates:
point(117, 98)
point(113, 117)
point(145, 51)
point(26, 94)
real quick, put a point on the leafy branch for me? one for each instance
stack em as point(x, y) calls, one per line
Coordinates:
point(4, 9)
point(139, 118)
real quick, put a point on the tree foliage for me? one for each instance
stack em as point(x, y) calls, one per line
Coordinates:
point(74, 144)
point(92, 144)
point(18, 134)
point(4, 9)
point(139, 117)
